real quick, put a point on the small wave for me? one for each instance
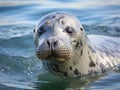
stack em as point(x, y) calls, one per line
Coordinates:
point(15, 81)
point(19, 72)
point(103, 30)
point(11, 31)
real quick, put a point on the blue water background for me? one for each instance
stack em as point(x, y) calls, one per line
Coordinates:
point(19, 67)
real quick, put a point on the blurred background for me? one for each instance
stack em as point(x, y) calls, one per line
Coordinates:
point(19, 67)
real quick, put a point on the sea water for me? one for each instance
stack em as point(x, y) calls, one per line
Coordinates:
point(20, 69)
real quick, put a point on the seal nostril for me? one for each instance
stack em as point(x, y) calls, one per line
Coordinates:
point(48, 43)
point(55, 43)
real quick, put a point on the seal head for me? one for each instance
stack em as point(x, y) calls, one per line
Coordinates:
point(56, 36)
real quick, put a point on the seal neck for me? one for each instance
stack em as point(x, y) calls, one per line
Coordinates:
point(84, 59)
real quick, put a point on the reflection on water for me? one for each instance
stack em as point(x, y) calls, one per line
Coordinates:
point(19, 67)
point(56, 83)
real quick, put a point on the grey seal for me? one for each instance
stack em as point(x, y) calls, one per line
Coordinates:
point(65, 50)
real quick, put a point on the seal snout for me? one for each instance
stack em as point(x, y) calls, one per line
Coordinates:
point(53, 49)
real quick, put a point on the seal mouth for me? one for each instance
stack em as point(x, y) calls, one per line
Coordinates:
point(57, 57)
point(53, 56)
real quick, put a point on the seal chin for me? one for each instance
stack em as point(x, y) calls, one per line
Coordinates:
point(54, 59)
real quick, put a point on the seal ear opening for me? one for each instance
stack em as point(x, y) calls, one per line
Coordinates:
point(34, 31)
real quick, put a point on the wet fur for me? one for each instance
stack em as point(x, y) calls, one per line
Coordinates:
point(91, 54)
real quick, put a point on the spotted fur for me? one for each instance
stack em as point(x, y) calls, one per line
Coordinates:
point(77, 54)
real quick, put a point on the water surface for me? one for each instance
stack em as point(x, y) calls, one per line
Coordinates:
point(19, 67)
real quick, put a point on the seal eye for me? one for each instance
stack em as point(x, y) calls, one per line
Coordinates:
point(41, 30)
point(69, 30)
point(81, 29)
